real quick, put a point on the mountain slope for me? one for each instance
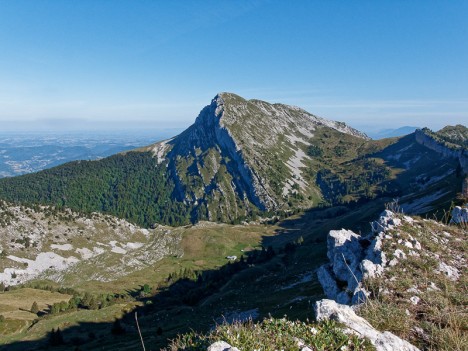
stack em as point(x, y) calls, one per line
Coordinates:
point(240, 159)
point(43, 242)
point(457, 135)
point(241, 153)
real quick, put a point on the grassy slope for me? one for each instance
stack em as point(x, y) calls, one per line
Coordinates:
point(439, 320)
point(419, 172)
point(204, 247)
point(15, 307)
point(286, 287)
point(274, 334)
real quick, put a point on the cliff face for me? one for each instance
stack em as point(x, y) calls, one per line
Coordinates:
point(210, 169)
point(428, 141)
point(244, 154)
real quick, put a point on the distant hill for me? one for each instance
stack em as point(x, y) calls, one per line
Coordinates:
point(28, 152)
point(391, 133)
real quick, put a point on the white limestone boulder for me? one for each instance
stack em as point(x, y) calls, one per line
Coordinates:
point(221, 346)
point(460, 214)
point(383, 341)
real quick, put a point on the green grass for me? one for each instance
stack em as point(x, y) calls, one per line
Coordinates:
point(439, 320)
point(203, 247)
point(12, 326)
point(73, 324)
point(14, 303)
point(274, 334)
point(15, 306)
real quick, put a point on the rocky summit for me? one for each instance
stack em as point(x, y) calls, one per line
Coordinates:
point(242, 153)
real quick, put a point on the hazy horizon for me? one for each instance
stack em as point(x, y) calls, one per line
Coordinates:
point(93, 64)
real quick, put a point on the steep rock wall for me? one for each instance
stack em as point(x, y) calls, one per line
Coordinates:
point(461, 154)
point(208, 135)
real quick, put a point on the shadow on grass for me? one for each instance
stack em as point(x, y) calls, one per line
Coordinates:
point(276, 280)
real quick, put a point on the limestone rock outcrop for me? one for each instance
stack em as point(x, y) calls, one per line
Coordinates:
point(383, 341)
point(354, 257)
point(221, 346)
point(460, 214)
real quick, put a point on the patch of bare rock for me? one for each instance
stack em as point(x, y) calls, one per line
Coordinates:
point(353, 258)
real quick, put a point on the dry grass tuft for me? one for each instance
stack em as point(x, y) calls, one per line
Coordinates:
point(437, 318)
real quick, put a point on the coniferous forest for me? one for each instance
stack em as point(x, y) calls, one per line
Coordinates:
point(131, 186)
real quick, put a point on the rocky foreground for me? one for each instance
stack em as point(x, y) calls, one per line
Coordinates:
point(400, 287)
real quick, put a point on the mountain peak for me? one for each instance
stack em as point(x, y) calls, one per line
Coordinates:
point(240, 158)
point(260, 149)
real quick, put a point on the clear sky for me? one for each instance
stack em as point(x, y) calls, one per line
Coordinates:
point(155, 64)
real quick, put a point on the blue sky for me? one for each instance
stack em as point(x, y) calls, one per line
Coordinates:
point(155, 64)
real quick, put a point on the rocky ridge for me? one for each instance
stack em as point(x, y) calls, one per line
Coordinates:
point(447, 150)
point(354, 258)
point(229, 153)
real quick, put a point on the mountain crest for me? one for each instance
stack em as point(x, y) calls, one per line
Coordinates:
point(241, 158)
point(244, 154)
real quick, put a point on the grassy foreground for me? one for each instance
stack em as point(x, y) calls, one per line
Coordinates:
point(423, 298)
point(274, 334)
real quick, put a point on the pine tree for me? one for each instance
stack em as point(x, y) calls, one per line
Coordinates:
point(55, 308)
point(146, 289)
point(34, 308)
point(86, 300)
point(93, 304)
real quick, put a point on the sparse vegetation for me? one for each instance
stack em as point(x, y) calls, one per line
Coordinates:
point(274, 334)
point(415, 299)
